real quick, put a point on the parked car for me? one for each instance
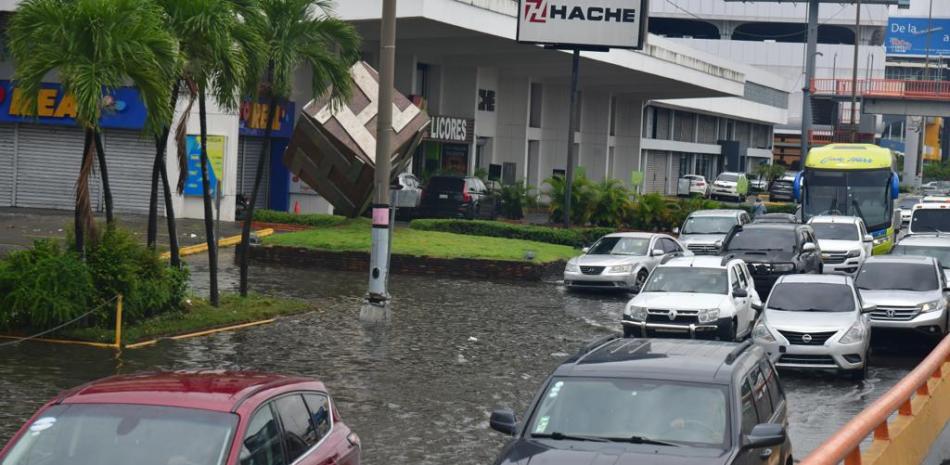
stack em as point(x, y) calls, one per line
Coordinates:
point(933, 245)
point(774, 250)
point(936, 188)
point(734, 186)
point(780, 218)
point(816, 322)
point(783, 189)
point(692, 184)
point(758, 185)
point(844, 242)
point(457, 197)
point(185, 418)
point(654, 401)
point(620, 261)
point(905, 207)
point(909, 292)
point(930, 218)
point(694, 297)
point(406, 194)
point(704, 230)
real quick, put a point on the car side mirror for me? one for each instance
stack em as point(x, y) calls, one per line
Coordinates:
point(758, 307)
point(657, 252)
point(740, 293)
point(504, 421)
point(765, 435)
point(868, 308)
point(868, 238)
point(809, 247)
point(676, 230)
point(585, 249)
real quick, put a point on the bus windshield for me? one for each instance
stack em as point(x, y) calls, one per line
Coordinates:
point(865, 194)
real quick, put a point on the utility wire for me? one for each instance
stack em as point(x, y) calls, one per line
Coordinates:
point(52, 330)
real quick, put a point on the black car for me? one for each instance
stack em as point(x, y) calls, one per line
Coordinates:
point(654, 401)
point(780, 218)
point(774, 249)
point(782, 189)
point(457, 197)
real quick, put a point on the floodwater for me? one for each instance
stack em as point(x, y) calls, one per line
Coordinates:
point(419, 390)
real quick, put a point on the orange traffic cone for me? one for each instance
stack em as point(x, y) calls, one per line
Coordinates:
point(296, 207)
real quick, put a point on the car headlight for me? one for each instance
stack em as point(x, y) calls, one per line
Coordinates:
point(880, 240)
point(762, 333)
point(620, 269)
point(636, 312)
point(856, 333)
point(708, 315)
point(783, 267)
point(854, 253)
point(930, 306)
point(572, 268)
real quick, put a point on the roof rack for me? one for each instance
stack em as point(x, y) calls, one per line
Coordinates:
point(591, 346)
point(726, 259)
point(737, 351)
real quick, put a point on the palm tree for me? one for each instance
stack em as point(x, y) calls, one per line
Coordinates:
point(94, 46)
point(297, 33)
point(218, 51)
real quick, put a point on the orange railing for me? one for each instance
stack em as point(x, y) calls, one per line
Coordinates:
point(904, 398)
point(827, 136)
point(883, 88)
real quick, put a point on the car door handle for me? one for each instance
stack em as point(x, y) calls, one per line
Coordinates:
point(764, 454)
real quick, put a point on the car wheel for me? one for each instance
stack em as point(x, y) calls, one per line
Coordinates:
point(727, 332)
point(862, 373)
point(821, 269)
point(641, 279)
point(628, 332)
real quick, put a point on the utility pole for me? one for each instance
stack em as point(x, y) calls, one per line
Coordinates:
point(376, 307)
point(811, 50)
point(569, 181)
point(854, 73)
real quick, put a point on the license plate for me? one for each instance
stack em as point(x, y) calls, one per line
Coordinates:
point(443, 196)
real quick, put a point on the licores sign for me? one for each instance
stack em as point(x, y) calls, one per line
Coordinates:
point(584, 23)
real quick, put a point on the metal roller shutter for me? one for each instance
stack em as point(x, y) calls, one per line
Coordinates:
point(655, 176)
point(48, 159)
point(7, 154)
point(249, 152)
point(130, 158)
point(673, 175)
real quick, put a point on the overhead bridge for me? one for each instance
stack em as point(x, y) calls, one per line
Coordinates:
point(889, 96)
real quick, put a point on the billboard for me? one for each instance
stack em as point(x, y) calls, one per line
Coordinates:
point(193, 185)
point(583, 23)
point(915, 36)
point(122, 107)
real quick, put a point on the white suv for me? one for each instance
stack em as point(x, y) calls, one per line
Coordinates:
point(732, 186)
point(844, 242)
point(694, 297)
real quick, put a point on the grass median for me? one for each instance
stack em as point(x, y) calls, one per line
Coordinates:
point(354, 236)
point(197, 316)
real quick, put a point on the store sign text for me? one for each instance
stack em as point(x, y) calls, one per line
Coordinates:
point(449, 129)
point(120, 108)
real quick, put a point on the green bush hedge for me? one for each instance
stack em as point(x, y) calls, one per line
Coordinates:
point(310, 219)
point(50, 284)
point(576, 237)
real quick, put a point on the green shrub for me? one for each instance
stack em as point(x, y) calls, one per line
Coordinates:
point(514, 198)
point(650, 212)
point(583, 198)
point(575, 237)
point(611, 201)
point(310, 219)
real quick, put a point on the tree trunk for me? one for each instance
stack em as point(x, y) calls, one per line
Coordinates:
point(160, 149)
point(206, 194)
point(78, 225)
point(104, 174)
point(170, 214)
point(270, 118)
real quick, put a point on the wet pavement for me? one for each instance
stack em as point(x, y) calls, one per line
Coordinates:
point(418, 391)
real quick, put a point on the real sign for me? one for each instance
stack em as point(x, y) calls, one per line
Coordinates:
point(583, 23)
point(915, 36)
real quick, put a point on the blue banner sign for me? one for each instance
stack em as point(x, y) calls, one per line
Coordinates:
point(915, 36)
point(121, 108)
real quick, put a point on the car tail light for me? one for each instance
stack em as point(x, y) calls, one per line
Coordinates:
point(466, 197)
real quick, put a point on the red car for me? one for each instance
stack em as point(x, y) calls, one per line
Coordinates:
point(188, 418)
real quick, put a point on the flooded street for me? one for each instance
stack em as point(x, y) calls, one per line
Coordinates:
point(418, 391)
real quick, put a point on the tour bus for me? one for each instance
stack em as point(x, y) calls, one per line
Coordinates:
point(853, 180)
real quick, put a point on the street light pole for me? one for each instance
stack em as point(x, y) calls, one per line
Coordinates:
point(854, 72)
point(377, 300)
point(569, 172)
point(810, 51)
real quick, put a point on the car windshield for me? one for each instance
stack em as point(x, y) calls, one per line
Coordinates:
point(908, 203)
point(836, 231)
point(445, 184)
point(709, 224)
point(942, 254)
point(763, 239)
point(865, 194)
point(897, 277)
point(729, 177)
point(620, 246)
point(107, 434)
point(930, 220)
point(624, 409)
point(811, 297)
point(693, 280)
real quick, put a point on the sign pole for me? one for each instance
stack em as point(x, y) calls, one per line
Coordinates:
point(569, 181)
point(811, 50)
point(854, 74)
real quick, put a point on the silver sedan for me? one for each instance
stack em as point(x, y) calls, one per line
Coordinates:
point(620, 261)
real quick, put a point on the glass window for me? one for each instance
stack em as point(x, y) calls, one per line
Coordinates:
point(669, 246)
point(537, 93)
point(763, 404)
point(261, 445)
point(771, 380)
point(930, 220)
point(691, 280)
point(742, 281)
point(811, 297)
point(620, 246)
point(621, 408)
point(749, 417)
point(734, 277)
point(299, 434)
point(709, 224)
point(320, 413)
point(836, 231)
point(865, 194)
point(446, 184)
point(728, 177)
point(763, 239)
point(908, 203)
point(111, 434)
point(942, 254)
point(897, 277)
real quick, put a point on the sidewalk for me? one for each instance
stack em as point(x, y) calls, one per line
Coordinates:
point(19, 227)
